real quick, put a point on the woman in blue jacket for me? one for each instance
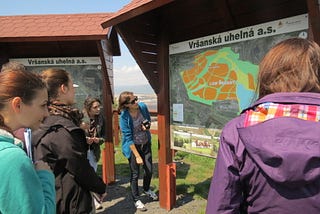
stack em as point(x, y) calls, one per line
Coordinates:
point(136, 143)
point(25, 188)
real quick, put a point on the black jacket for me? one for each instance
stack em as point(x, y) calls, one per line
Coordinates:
point(63, 145)
point(100, 133)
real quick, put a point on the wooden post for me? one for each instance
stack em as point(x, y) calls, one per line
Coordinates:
point(167, 174)
point(108, 161)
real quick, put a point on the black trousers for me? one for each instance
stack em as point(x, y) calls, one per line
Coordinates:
point(146, 155)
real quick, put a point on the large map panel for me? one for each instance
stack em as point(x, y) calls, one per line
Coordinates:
point(212, 80)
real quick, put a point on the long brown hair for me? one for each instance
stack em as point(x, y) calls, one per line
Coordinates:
point(88, 104)
point(292, 65)
point(18, 83)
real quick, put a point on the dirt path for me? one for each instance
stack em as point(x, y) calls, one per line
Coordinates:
point(119, 201)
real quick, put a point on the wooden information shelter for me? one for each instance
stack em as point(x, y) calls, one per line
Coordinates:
point(65, 36)
point(148, 27)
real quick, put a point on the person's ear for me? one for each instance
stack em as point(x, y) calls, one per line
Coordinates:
point(63, 88)
point(16, 104)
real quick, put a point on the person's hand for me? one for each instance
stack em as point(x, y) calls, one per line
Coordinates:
point(84, 126)
point(96, 140)
point(89, 140)
point(143, 127)
point(41, 165)
point(139, 160)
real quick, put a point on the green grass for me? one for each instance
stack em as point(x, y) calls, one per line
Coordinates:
point(193, 172)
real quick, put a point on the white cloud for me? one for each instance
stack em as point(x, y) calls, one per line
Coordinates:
point(128, 76)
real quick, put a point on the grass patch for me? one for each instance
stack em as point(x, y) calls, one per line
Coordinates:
point(193, 175)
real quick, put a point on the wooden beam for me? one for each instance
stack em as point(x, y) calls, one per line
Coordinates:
point(314, 20)
point(114, 42)
point(52, 38)
point(52, 49)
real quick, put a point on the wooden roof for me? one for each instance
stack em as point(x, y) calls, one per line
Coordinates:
point(145, 24)
point(133, 9)
point(53, 27)
point(58, 35)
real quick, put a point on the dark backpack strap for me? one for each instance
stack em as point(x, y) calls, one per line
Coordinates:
point(42, 134)
point(50, 129)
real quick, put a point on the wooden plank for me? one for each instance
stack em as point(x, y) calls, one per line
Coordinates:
point(148, 57)
point(52, 49)
point(114, 42)
point(314, 20)
point(52, 39)
point(240, 7)
point(134, 12)
point(214, 26)
point(144, 46)
point(202, 30)
point(141, 31)
point(129, 37)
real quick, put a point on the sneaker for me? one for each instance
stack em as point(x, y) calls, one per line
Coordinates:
point(140, 206)
point(97, 204)
point(98, 207)
point(151, 194)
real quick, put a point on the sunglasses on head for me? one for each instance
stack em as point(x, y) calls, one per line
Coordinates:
point(135, 99)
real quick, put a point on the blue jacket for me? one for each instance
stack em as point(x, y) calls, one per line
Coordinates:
point(272, 166)
point(126, 126)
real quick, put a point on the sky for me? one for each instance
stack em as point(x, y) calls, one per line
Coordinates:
point(126, 70)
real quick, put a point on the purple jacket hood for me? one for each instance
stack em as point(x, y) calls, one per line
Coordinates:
point(272, 166)
point(286, 149)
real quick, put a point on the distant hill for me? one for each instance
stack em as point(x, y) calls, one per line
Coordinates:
point(137, 89)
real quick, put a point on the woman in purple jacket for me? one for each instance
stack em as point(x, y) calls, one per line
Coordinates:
point(269, 156)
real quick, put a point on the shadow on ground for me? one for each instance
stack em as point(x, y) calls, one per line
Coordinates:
point(119, 201)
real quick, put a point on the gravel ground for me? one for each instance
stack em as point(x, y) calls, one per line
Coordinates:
point(118, 201)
